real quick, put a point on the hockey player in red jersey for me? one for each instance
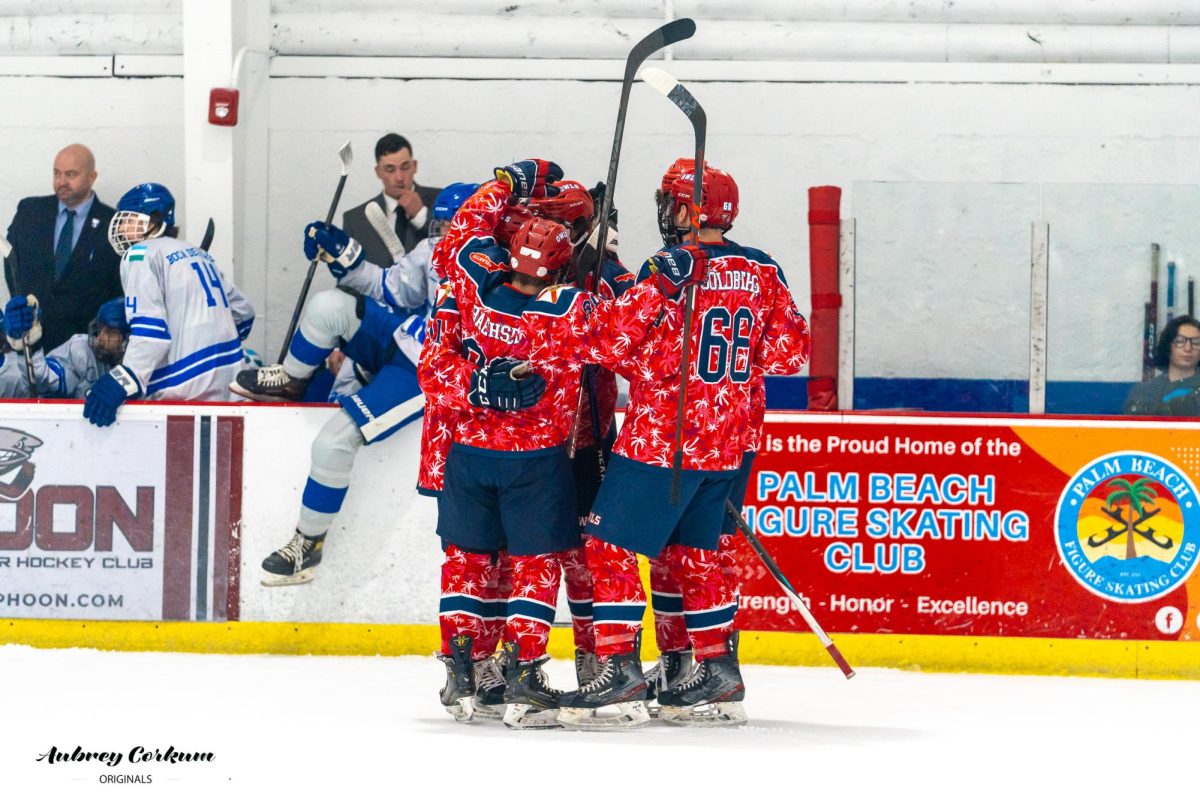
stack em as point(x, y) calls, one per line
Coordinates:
point(745, 320)
point(575, 207)
point(507, 478)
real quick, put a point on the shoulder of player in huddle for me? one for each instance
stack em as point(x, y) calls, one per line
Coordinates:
point(556, 301)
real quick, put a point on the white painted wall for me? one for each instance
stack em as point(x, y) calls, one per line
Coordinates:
point(778, 123)
point(777, 138)
point(132, 126)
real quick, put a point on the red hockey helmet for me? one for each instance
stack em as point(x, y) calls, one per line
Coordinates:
point(718, 197)
point(540, 248)
point(573, 206)
point(510, 222)
point(674, 172)
point(573, 202)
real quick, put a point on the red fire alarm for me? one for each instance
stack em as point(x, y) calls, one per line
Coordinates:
point(223, 107)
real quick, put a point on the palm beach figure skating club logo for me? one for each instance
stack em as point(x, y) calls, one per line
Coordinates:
point(1128, 527)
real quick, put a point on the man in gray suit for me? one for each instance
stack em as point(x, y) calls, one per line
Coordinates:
point(405, 204)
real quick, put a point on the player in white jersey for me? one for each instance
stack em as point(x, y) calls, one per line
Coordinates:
point(70, 369)
point(183, 341)
point(377, 316)
point(13, 382)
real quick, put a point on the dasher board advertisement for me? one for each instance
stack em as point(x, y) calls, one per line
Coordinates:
point(978, 526)
point(133, 522)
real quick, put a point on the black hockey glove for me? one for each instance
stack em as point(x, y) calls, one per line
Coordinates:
point(493, 386)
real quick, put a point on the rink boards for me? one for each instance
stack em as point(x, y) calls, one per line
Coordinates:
point(947, 543)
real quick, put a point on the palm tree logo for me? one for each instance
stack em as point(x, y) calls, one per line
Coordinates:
point(1127, 526)
point(1135, 498)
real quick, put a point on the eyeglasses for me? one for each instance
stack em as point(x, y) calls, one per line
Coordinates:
point(1183, 341)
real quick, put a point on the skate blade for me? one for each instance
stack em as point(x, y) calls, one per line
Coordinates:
point(705, 715)
point(464, 710)
point(652, 708)
point(619, 716)
point(303, 576)
point(520, 716)
point(489, 712)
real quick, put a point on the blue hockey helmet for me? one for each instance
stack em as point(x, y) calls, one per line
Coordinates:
point(149, 198)
point(448, 201)
point(108, 333)
point(145, 211)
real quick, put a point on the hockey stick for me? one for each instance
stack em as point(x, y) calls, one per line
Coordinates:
point(671, 33)
point(345, 154)
point(1191, 297)
point(777, 573)
point(1170, 290)
point(379, 222)
point(1151, 331)
point(209, 231)
point(678, 94)
point(6, 249)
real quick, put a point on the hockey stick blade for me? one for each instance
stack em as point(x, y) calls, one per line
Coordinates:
point(669, 34)
point(777, 573)
point(5, 248)
point(346, 154)
point(209, 232)
point(379, 222)
point(665, 84)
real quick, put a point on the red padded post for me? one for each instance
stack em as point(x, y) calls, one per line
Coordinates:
point(824, 210)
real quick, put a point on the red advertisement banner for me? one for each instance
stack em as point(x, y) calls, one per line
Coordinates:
point(977, 527)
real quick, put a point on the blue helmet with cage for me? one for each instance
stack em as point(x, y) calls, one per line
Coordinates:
point(448, 201)
point(149, 198)
point(145, 211)
point(108, 333)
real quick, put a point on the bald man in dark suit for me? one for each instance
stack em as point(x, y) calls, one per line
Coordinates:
point(61, 252)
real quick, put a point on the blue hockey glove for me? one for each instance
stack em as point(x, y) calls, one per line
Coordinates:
point(332, 245)
point(22, 322)
point(107, 394)
point(494, 386)
point(678, 267)
point(529, 178)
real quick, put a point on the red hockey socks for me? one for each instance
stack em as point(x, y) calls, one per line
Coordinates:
point(620, 600)
point(531, 603)
point(463, 607)
point(666, 598)
point(495, 596)
point(578, 579)
point(708, 604)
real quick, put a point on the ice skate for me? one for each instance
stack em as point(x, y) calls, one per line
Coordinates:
point(489, 687)
point(458, 695)
point(587, 666)
point(296, 562)
point(531, 701)
point(711, 696)
point(613, 700)
point(669, 671)
point(269, 384)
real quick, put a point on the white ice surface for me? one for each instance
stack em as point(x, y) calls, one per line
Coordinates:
point(354, 727)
